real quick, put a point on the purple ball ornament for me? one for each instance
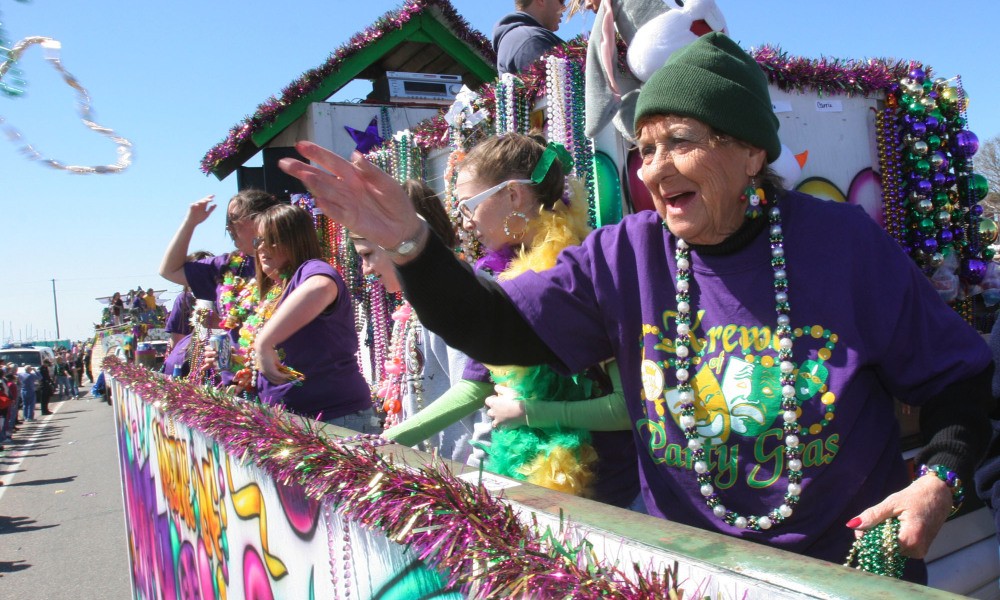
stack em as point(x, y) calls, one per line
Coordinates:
point(921, 187)
point(930, 245)
point(917, 74)
point(945, 236)
point(973, 270)
point(966, 143)
point(939, 180)
point(931, 123)
point(976, 210)
point(917, 128)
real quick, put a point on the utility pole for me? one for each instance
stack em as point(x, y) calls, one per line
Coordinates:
point(55, 307)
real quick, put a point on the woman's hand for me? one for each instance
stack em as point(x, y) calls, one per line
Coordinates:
point(269, 365)
point(356, 194)
point(505, 408)
point(199, 211)
point(172, 264)
point(210, 356)
point(922, 508)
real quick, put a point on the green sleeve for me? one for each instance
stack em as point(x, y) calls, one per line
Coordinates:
point(607, 413)
point(460, 401)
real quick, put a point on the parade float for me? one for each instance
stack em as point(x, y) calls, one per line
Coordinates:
point(230, 499)
point(130, 335)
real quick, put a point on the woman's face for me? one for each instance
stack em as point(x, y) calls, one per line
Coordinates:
point(487, 222)
point(374, 261)
point(696, 179)
point(242, 230)
point(273, 259)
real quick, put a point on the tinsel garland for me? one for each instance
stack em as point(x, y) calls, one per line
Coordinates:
point(475, 540)
point(830, 76)
point(267, 112)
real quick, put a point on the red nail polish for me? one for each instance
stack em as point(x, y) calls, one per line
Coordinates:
point(854, 522)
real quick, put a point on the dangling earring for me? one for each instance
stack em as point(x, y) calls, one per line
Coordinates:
point(755, 199)
point(524, 228)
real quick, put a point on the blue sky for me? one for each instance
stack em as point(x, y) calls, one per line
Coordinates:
point(173, 77)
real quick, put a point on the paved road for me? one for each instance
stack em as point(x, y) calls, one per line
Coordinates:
point(62, 526)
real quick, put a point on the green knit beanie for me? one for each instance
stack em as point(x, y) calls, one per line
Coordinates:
point(715, 81)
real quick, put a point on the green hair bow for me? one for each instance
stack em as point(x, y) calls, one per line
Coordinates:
point(553, 151)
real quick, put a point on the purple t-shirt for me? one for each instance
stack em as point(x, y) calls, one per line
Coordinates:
point(325, 351)
point(179, 319)
point(868, 327)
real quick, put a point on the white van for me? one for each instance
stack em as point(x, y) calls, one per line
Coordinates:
point(23, 356)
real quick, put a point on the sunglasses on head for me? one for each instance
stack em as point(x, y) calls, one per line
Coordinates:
point(468, 206)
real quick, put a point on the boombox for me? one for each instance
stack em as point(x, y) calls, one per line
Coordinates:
point(418, 88)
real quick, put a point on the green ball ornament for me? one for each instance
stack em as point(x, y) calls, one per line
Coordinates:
point(988, 231)
point(940, 199)
point(914, 108)
point(988, 254)
point(933, 142)
point(980, 186)
point(922, 166)
point(927, 225)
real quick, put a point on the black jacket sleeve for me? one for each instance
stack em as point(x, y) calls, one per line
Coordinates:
point(470, 313)
point(955, 425)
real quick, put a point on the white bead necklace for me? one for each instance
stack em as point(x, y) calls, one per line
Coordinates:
point(789, 404)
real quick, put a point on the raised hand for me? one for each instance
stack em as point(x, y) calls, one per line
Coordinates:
point(199, 211)
point(356, 194)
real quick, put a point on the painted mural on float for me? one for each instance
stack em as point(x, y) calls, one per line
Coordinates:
point(203, 526)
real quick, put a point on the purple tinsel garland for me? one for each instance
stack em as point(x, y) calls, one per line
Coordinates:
point(827, 76)
point(471, 537)
point(269, 110)
point(830, 76)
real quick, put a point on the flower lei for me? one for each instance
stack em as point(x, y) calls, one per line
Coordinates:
point(246, 378)
point(233, 305)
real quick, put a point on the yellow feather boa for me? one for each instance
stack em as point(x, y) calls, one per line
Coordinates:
point(569, 470)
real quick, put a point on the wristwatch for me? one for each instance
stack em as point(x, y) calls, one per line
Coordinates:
point(409, 246)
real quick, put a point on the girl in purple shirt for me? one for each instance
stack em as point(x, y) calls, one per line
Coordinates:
point(301, 344)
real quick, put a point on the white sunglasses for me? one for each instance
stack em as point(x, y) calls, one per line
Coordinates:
point(468, 206)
